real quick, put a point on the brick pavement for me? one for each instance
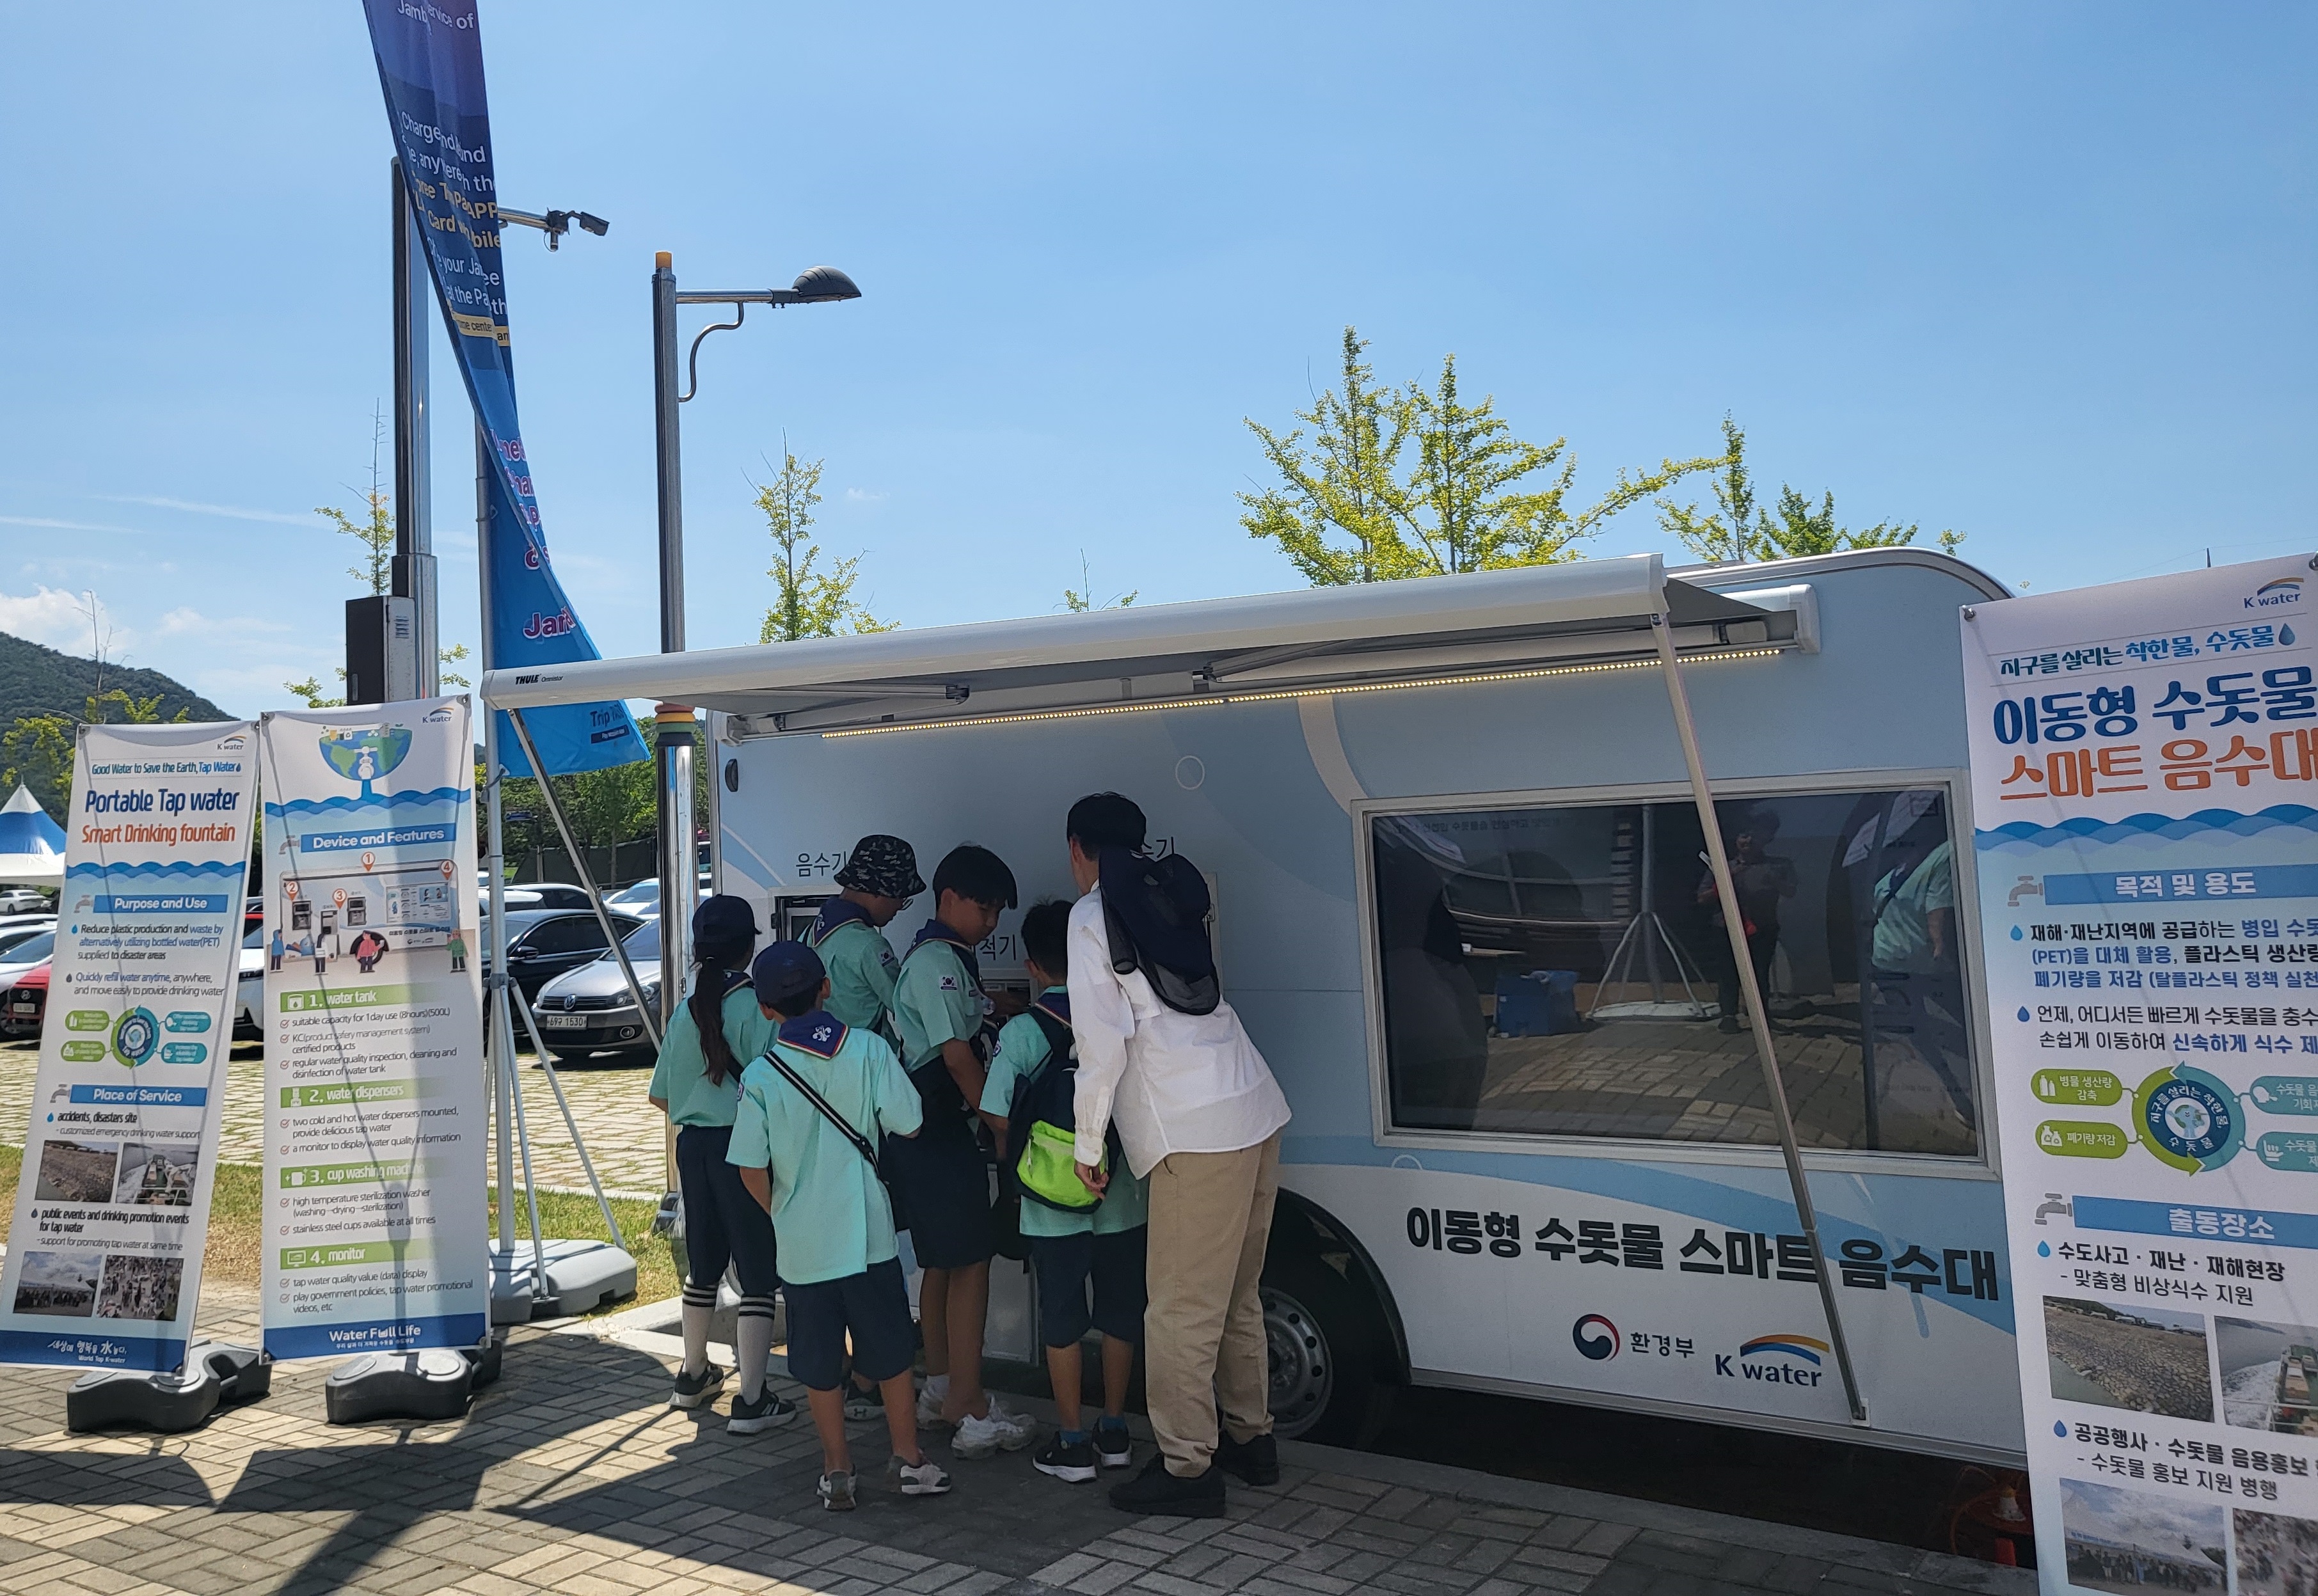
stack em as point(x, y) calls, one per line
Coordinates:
point(572, 1475)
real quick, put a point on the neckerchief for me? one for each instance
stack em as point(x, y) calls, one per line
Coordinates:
point(834, 916)
point(819, 1032)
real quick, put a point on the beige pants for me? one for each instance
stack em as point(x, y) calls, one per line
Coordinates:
point(1203, 1329)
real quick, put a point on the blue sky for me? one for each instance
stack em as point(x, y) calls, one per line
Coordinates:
point(2039, 273)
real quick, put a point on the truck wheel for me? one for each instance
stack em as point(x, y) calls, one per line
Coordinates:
point(1324, 1345)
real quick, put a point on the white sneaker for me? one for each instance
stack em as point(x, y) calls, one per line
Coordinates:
point(998, 1430)
point(922, 1478)
point(930, 1407)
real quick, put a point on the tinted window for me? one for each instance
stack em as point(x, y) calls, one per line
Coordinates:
point(1566, 972)
point(570, 933)
point(10, 941)
point(32, 949)
point(640, 943)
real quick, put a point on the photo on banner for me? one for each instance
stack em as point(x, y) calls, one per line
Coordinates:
point(2144, 770)
point(112, 1204)
point(375, 1203)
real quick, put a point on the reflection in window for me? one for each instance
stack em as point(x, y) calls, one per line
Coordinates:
point(1566, 972)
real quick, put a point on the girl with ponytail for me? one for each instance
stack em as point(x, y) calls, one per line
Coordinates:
point(697, 1083)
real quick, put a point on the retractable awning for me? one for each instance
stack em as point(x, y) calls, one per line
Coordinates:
point(1439, 626)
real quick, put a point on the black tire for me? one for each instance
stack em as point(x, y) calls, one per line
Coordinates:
point(1329, 1351)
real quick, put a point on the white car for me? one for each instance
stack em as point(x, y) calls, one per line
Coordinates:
point(22, 901)
point(249, 988)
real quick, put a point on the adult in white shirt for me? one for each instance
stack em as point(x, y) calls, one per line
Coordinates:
point(1199, 1118)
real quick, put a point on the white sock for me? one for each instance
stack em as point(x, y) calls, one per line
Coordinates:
point(753, 1343)
point(938, 1388)
point(696, 1314)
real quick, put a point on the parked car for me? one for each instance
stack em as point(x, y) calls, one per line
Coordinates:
point(591, 1010)
point(15, 927)
point(544, 943)
point(22, 1002)
point(22, 900)
point(249, 985)
point(553, 895)
point(643, 897)
point(36, 948)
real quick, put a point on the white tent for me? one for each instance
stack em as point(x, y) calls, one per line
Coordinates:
point(32, 845)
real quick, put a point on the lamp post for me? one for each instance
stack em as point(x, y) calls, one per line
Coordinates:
point(675, 732)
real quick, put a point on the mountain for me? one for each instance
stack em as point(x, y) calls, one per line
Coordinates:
point(35, 680)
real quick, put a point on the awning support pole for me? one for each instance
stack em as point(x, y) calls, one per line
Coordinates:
point(587, 876)
point(570, 1120)
point(1735, 922)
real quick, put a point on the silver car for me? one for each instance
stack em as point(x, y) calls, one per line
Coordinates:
point(591, 1010)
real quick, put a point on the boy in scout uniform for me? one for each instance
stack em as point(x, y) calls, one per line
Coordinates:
point(941, 1174)
point(879, 879)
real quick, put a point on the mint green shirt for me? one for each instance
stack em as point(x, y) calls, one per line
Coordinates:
point(861, 965)
point(935, 1001)
point(681, 1076)
point(831, 1214)
point(1022, 1052)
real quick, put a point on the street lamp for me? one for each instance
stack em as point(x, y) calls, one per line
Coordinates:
point(674, 729)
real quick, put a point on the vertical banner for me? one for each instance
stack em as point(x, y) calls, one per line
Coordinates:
point(2143, 773)
point(430, 65)
point(375, 1115)
point(104, 1250)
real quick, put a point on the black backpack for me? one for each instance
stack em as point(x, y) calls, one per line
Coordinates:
point(1050, 1096)
point(1154, 914)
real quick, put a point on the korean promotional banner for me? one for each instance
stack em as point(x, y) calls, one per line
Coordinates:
point(430, 65)
point(2144, 759)
point(104, 1251)
point(374, 1104)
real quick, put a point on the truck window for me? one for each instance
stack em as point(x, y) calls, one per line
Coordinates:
point(1565, 971)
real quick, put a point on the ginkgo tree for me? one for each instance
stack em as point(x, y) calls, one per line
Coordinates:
point(806, 602)
point(1739, 530)
point(1415, 481)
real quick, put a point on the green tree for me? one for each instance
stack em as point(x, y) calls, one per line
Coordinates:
point(1338, 512)
point(1477, 497)
point(806, 602)
point(40, 747)
point(1736, 530)
point(374, 529)
point(1080, 599)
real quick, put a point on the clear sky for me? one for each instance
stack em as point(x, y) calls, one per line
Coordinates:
point(2041, 273)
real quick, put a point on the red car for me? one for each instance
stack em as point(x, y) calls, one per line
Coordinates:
point(23, 1003)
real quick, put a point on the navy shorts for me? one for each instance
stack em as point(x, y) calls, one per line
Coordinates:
point(723, 1224)
point(1114, 1262)
point(944, 1184)
point(873, 1306)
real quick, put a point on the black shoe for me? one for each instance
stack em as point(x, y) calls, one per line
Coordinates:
point(1113, 1447)
point(1066, 1459)
point(1156, 1492)
point(1255, 1460)
point(749, 1418)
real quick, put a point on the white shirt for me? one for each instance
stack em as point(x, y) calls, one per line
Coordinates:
point(1175, 1082)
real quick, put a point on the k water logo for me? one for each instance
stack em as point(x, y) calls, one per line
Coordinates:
point(1762, 1358)
point(1595, 1337)
point(2269, 595)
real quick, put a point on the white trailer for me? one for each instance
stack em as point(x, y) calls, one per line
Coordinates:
point(1465, 907)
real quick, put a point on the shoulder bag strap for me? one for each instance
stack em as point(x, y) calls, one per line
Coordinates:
point(860, 1143)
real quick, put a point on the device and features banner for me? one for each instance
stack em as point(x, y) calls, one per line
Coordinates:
point(375, 1203)
point(431, 63)
point(2143, 781)
point(104, 1250)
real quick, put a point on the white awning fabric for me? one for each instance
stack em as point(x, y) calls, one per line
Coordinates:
point(1586, 610)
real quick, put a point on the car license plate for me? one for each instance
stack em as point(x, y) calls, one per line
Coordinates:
point(562, 1022)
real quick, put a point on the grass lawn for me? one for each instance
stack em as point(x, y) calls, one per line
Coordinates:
point(234, 1240)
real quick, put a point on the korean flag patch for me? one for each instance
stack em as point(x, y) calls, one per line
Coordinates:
point(949, 984)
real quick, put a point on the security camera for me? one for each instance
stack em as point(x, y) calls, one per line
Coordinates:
point(594, 224)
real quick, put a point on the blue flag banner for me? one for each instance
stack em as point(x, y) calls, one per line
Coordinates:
point(431, 63)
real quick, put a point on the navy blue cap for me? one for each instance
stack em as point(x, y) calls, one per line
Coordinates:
point(723, 919)
point(784, 970)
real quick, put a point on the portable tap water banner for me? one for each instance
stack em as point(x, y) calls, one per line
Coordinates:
point(375, 1203)
point(2145, 763)
point(104, 1251)
point(430, 65)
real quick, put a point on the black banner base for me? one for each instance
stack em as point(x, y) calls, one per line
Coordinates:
point(215, 1375)
point(434, 1384)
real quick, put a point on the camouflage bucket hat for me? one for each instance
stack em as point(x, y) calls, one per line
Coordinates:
point(885, 866)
